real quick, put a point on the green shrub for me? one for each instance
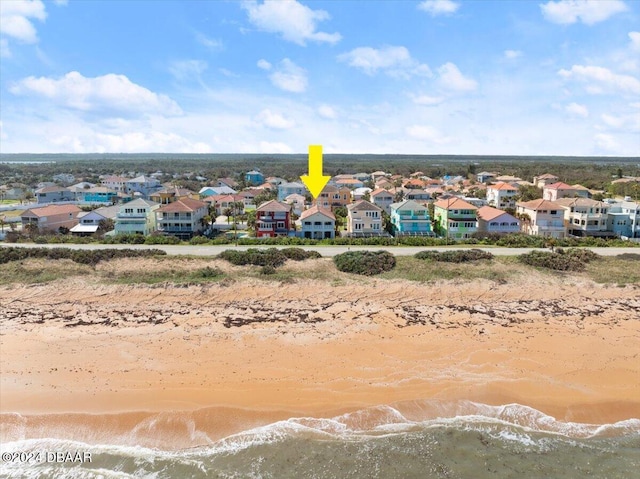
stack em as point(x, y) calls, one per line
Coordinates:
point(298, 254)
point(267, 269)
point(259, 257)
point(458, 256)
point(208, 272)
point(561, 260)
point(196, 240)
point(368, 263)
point(91, 257)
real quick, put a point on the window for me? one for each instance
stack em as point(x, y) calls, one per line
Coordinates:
point(140, 210)
point(327, 223)
point(357, 226)
point(376, 226)
point(128, 210)
point(553, 212)
point(307, 223)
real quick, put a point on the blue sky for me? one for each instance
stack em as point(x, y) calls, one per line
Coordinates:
point(557, 77)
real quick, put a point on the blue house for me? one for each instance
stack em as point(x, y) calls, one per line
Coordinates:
point(99, 194)
point(286, 189)
point(410, 218)
point(254, 177)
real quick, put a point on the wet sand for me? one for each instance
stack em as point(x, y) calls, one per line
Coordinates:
point(269, 350)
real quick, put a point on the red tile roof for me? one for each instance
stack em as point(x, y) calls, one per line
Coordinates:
point(454, 204)
point(51, 210)
point(316, 209)
point(183, 205)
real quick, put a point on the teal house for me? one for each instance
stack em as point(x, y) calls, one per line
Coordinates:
point(410, 218)
point(98, 194)
point(254, 177)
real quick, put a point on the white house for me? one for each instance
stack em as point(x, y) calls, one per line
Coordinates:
point(317, 223)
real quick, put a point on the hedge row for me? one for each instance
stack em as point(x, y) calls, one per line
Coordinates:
point(459, 256)
point(367, 263)
point(91, 257)
point(562, 260)
point(271, 257)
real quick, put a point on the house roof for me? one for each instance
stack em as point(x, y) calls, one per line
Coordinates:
point(51, 189)
point(502, 186)
point(547, 176)
point(538, 204)
point(51, 210)
point(380, 191)
point(558, 186)
point(489, 213)
point(292, 184)
point(274, 205)
point(407, 205)
point(579, 187)
point(569, 202)
point(295, 197)
point(183, 205)
point(454, 204)
point(114, 179)
point(363, 205)
point(173, 190)
point(348, 181)
point(317, 210)
point(139, 202)
point(141, 179)
point(80, 228)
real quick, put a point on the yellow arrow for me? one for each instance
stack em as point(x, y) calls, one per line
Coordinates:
point(315, 181)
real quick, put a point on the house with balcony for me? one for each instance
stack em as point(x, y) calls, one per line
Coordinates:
point(421, 196)
point(494, 220)
point(98, 195)
point(502, 195)
point(116, 183)
point(364, 219)
point(290, 188)
point(273, 218)
point(143, 185)
point(455, 218)
point(546, 179)
point(410, 218)
point(50, 218)
point(88, 223)
point(585, 217)
point(171, 194)
point(333, 197)
point(317, 223)
point(137, 216)
point(254, 177)
point(555, 191)
point(182, 218)
point(225, 204)
point(297, 203)
point(541, 218)
point(54, 194)
point(382, 199)
point(624, 218)
point(485, 176)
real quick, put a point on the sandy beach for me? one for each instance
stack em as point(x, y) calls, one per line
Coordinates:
point(257, 351)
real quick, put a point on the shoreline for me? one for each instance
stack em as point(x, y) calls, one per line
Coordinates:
point(277, 350)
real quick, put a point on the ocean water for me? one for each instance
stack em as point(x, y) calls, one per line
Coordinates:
point(510, 441)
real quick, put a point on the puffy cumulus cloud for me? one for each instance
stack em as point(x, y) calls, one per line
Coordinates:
point(16, 19)
point(274, 120)
point(289, 77)
point(576, 109)
point(439, 7)
point(602, 80)
point(131, 142)
point(327, 112)
point(103, 94)
point(588, 12)
point(295, 22)
point(624, 122)
point(274, 147)
point(394, 60)
point(427, 133)
point(452, 79)
point(512, 54)
point(634, 37)
point(263, 64)
point(187, 69)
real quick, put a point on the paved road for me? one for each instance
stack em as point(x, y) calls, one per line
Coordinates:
point(323, 250)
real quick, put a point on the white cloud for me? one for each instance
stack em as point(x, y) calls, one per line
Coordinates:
point(289, 77)
point(295, 22)
point(600, 79)
point(210, 43)
point(16, 19)
point(274, 120)
point(427, 100)
point(452, 79)
point(427, 133)
point(327, 112)
point(131, 142)
point(100, 94)
point(576, 109)
point(264, 64)
point(187, 69)
point(274, 147)
point(606, 142)
point(395, 61)
point(439, 7)
point(635, 40)
point(512, 54)
point(626, 122)
point(588, 12)
point(61, 3)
